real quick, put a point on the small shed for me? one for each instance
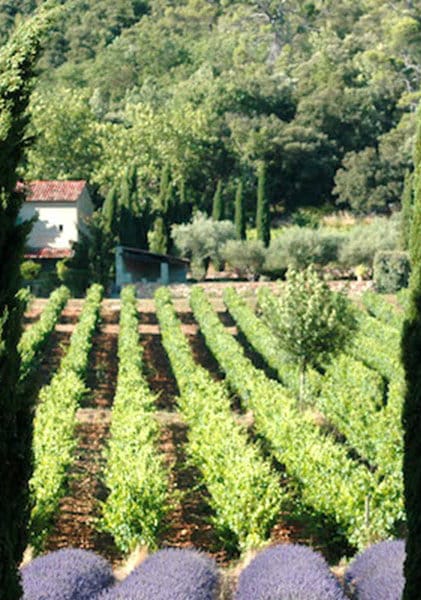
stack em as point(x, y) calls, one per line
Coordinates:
point(134, 265)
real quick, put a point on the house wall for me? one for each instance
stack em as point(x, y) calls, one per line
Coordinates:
point(57, 224)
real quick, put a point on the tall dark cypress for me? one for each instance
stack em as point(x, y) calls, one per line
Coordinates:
point(217, 205)
point(134, 217)
point(240, 213)
point(17, 63)
point(411, 357)
point(262, 211)
point(110, 211)
point(165, 214)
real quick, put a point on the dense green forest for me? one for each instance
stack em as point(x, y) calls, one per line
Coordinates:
point(324, 93)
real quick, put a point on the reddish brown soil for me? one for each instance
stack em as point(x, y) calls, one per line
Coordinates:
point(188, 525)
point(189, 522)
point(157, 370)
point(75, 524)
point(102, 374)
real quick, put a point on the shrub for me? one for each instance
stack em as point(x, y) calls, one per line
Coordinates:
point(170, 574)
point(201, 241)
point(298, 247)
point(288, 572)
point(68, 574)
point(246, 257)
point(29, 270)
point(390, 271)
point(377, 573)
point(363, 241)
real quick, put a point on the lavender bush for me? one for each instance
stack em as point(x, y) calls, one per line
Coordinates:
point(377, 573)
point(68, 574)
point(170, 574)
point(288, 572)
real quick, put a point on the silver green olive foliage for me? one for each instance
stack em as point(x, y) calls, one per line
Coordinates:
point(201, 241)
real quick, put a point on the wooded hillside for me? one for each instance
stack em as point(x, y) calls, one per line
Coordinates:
point(323, 92)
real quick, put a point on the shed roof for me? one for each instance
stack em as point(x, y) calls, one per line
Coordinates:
point(53, 191)
point(146, 256)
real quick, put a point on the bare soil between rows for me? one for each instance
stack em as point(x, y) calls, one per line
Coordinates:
point(189, 523)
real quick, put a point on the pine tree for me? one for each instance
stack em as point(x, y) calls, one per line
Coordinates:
point(217, 205)
point(262, 211)
point(17, 63)
point(240, 214)
point(411, 357)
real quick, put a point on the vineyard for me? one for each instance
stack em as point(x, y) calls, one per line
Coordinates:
point(174, 423)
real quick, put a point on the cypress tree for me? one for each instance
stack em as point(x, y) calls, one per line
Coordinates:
point(17, 63)
point(165, 214)
point(262, 211)
point(158, 238)
point(217, 205)
point(240, 214)
point(133, 215)
point(411, 357)
point(110, 211)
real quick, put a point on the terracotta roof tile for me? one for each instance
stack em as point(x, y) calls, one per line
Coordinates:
point(53, 191)
point(48, 253)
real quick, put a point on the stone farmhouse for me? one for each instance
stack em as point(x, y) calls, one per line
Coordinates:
point(61, 208)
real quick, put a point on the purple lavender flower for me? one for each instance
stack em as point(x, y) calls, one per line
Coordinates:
point(170, 574)
point(68, 574)
point(288, 572)
point(377, 573)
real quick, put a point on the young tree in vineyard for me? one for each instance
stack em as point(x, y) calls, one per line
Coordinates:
point(17, 62)
point(311, 322)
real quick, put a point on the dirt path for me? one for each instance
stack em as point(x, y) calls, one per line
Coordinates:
point(188, 525)
point(75, 525)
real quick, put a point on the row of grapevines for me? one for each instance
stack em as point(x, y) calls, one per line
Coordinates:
point(55, 421)
point(34, 339)
point(380, 355)
point(135, 475)
point(328, 479)
point(244, 493)
point(378, 307)
point(264, 342)
point(350, 395)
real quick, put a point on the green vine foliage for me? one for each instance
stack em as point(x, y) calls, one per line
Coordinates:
point(244, 492)
point(362, 505)
point(135, 474)
point(55, 423)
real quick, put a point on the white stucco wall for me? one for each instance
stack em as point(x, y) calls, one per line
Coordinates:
point(56, 226)
point(58, 222)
